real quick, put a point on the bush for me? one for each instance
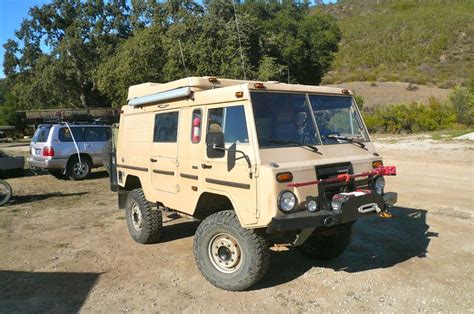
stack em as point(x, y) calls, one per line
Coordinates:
point(462, 102)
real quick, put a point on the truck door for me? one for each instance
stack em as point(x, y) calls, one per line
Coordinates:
point(164, 152)
point(233, 179)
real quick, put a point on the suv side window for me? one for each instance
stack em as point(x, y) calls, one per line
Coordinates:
point(166, 127)
point(64, 134)
point(96, 134)
point(230, 121)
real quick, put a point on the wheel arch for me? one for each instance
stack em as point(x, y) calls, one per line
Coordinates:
point(131, 182)
point(212, 202)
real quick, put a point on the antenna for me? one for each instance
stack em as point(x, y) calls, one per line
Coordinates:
point(240, 43)
point(182, 58)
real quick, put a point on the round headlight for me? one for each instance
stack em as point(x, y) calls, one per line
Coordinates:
point(287, 201)
point(379, 185)
point(312, 206)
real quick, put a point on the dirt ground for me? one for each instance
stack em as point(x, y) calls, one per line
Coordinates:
point(64, 247)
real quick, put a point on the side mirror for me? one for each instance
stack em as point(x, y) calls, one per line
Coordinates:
point(215, 145)
point(231, 157)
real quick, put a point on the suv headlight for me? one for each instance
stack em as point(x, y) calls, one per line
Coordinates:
point(379, 185)
point(287, 201)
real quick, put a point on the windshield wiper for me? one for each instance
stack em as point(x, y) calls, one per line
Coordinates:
point(345, 138)
point(274, 140)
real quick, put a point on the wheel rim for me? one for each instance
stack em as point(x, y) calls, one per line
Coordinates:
point(136, 217)
point(80, 169)
point(225, 253)
point(5, 193)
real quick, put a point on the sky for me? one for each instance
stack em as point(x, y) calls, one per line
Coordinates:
point(12, 13)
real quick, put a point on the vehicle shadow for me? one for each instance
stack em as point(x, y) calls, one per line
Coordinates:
point(23, 199)
point(38, 292)
point(376, 243)
point(179, 230)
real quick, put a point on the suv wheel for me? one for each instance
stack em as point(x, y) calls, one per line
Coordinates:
point(323, 246)
point(76, 170)
point(229, 256)
point(5, 192)
point(144, 223)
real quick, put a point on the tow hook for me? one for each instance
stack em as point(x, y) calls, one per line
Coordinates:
point(385, 214)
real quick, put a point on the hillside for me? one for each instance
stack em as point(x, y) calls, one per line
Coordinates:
point(386, 93)
point(420, 41)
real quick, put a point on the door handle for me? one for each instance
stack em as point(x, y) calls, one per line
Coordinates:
point(204, 166)
point(153, 160)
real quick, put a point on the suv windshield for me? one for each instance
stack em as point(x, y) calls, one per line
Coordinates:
point(41, 134)
point(284, 119)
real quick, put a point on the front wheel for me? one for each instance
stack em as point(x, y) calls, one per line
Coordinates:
point(230, 257)
point(327, 245)
point(5, 192)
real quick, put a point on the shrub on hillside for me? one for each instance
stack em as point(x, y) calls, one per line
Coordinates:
point(462, 102)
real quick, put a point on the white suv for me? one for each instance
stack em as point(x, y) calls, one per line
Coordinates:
point(53, 148)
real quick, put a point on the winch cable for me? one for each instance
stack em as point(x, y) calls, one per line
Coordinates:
point(75, 143)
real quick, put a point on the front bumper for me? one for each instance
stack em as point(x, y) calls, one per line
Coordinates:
point(325, 218)
point(54, 163)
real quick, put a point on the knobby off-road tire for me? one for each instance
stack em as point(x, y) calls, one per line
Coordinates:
point(327, 246)
point(5, 192)
point(144, 223)
point(229, 256)
point(76, 170)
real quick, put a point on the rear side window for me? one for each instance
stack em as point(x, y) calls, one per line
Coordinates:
point(41, 134)
point(166, 127)
point(230, 121)
point(96, 134)
point(64, 134)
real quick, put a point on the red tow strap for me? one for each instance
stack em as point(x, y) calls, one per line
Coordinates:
point(380, 171)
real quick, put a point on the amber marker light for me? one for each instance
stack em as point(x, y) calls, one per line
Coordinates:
point(258, 85)
point(213, 79)
point(284, 177)
point(239, 94)
point(377, 164)
point(345, 91)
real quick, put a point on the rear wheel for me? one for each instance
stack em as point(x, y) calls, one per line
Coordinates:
point(327, 245)
point(76, 170)
point(144, 223)
point(229, 256)
point(5, 192)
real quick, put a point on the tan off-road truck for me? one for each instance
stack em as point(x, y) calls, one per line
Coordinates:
point(254, 162)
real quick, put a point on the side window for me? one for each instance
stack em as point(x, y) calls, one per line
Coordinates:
point(64, 134)
point(166, 127)
point(196, 126)
point(230, 121)
point(95, 134)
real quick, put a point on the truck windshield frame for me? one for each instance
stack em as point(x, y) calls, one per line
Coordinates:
point(285, 119)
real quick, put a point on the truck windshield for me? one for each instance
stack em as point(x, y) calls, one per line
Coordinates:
point(283, 119)
point(337, 119)
point(286, 119)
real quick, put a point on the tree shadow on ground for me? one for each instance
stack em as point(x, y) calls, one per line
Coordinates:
point(376, 243)
point(23, 199)
point(37, 292)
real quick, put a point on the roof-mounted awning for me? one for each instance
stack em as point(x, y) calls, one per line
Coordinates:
point(174, 94)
